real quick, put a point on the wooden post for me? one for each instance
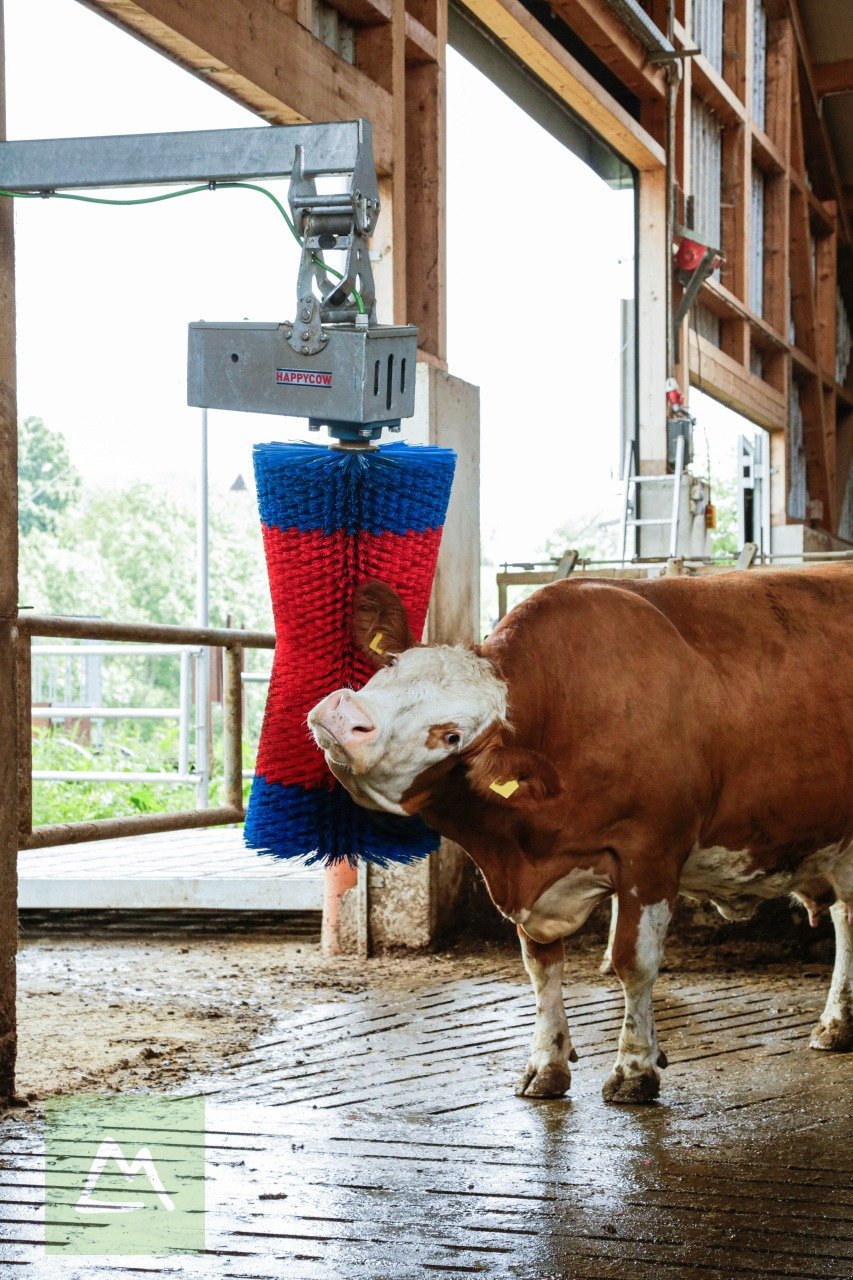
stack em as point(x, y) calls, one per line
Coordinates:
point(425, 192)
point(8, 616)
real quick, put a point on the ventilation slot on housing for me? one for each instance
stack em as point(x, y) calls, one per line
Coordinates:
point(376, 378)
point(389, 384)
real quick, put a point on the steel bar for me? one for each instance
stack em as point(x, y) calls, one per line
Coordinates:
point(185, 699)
point(24, 685)
point(112, 775)
point(640, 24)
point(232, 715)
point(224, 155)
point(135, 825)
point(626, 491)
point(116, 649)
point(95, 629)
point(202, 617)
point(676, 497)
point(106, 713)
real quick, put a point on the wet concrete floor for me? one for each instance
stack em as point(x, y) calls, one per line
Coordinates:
point(376, 1133)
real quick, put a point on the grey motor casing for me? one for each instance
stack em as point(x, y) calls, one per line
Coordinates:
point(362, 375)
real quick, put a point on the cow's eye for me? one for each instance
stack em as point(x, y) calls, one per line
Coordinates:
point(452, 739)
point(393, 660)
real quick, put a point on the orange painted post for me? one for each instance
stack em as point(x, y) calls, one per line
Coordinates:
point(337, 880)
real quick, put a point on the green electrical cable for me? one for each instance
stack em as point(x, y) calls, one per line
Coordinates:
point(185, 191)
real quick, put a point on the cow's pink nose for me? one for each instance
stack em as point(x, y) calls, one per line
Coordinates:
point(345, 720)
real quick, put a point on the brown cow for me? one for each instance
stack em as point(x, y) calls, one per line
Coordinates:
point(636, 739)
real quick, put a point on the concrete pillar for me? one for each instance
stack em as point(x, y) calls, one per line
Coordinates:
point(407, 906)
point(8, 615)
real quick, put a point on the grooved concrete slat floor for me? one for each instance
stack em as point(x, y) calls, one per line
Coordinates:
point(376, 1133)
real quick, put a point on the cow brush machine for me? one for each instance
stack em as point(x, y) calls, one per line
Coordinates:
point(332, 516)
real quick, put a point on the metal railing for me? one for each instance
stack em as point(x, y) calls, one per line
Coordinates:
point(189, 656)
point(187, 640)
point(541, 572)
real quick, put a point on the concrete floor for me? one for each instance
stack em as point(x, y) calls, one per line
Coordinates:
point(375, 1133)
point(203, 870)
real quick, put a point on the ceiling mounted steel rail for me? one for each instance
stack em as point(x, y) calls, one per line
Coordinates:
point(640, 24)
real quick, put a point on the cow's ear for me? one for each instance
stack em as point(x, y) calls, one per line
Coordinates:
point(379, 623)
point(500, 771)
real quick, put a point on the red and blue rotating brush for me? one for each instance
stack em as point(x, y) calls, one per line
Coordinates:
point(332, 519)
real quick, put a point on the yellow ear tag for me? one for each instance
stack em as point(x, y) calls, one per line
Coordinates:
point(505, 789)
point(374, 644)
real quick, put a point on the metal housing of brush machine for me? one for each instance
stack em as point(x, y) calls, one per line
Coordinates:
point(363, 379)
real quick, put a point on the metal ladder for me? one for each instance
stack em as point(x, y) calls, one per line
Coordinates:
point(629, 502)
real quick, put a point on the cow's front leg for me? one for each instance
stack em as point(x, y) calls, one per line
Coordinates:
point(835, 1029)
point(547, 1073)
point(637, 952)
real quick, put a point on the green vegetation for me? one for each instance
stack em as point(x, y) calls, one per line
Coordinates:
point(47, 483)
point(724, 539)
point(128, 555)
point(127, 747)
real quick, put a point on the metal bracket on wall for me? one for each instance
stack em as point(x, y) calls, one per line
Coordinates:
point(694, 283)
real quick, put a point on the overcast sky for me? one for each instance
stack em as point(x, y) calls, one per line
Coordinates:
point(105, 295)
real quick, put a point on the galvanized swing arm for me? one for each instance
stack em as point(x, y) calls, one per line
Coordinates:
point(302, 152)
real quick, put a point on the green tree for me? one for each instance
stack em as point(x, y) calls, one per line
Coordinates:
point(48, 483)
point(724, 539)
point(586, 535)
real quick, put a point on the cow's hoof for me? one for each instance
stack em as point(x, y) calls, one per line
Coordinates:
point(835, 1036)
point(547, 1079)
point(634, 1087)
point(606, 965)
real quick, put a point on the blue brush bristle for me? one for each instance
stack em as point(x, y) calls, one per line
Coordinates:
point(392, 489)
point(328, 826)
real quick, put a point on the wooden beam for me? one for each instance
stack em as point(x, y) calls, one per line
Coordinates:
point(818, 124)
point(815, 446)
point(421, 44)
point(262, 57)
point(833, 77)
point(722, 377)
point(780, 53)
point(426, 254)
point(380, 53)
point(610, 40)
point(8, 615)
point(828, 407)
point(843, 456)
point(547, 59)
point(826, 277)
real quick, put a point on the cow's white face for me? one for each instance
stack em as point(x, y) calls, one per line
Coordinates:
point(427, 704)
